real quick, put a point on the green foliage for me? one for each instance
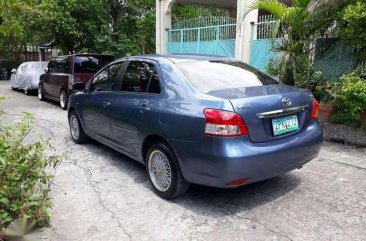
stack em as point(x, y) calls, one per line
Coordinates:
point(110, 26)
point(17, 27)
point(324, 91)
point(181, 12)
point(74, 25)
point(24, 179)
point(298, 26)
point(341, 118)
point(352, 24)
point(350, 99)
point(273, 67)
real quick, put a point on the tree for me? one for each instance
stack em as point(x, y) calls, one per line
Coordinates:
point(352, 24)
point(16, 27)
point(298, 26)
point(131, 28)
point(74, 25)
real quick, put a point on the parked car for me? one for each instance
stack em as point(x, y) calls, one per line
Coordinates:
point(3, 71)
point(197, 119)
point(62, 72)
point(26, 77)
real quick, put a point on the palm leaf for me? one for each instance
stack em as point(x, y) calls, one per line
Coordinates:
point(275, 8)
point(301, 3)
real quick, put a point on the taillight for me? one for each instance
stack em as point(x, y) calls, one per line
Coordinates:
point(224, 123)
point(314, 113)
point(71, 81)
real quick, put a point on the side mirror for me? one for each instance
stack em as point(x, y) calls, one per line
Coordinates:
point(77, 87)
point(13, 71)
point(46, 70)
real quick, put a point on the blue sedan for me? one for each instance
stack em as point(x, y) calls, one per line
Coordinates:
point(197, 119)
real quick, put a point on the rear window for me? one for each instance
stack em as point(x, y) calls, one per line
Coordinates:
point(90, 64)
point(209, 76)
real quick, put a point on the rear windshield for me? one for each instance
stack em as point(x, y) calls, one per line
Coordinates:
point(209, 76)
point(90, 64)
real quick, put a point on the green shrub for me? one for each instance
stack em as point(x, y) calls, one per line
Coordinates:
point(24, 179)
point(273, 67)
point(352, 24)
point(350, 99)
point(345, 119)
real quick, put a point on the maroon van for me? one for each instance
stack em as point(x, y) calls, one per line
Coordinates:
point(62, 72)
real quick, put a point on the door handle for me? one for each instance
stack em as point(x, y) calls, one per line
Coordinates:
point(106, 103)
point(144, 108)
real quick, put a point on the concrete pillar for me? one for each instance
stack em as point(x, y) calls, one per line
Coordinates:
point(163, 22)
point(244, 33)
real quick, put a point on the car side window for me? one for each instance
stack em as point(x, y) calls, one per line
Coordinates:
point(107, 80)
point(154, 85)
point(67, 64)
point(51, 66)
point(60, 66)
point(141, 77)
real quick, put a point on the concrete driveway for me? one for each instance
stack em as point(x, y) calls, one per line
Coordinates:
point(99, 194)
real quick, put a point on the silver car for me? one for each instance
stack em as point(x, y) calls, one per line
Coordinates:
point(26, 77)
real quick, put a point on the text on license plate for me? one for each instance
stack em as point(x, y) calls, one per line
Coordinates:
point(285, 124)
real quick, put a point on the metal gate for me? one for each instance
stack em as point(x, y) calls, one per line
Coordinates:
point(263, 43)
point(213, 36)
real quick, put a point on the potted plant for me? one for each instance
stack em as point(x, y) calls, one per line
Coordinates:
point(324, 94)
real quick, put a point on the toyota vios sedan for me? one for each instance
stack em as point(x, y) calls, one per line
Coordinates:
point(197, 119)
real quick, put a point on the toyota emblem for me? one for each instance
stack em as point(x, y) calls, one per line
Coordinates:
point(286, 101)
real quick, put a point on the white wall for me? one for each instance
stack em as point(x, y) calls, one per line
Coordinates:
point(244, 33)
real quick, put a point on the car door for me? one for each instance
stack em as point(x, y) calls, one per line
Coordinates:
point(46, 77)
point(135, 109)
point(96, 105)
point(60, 77)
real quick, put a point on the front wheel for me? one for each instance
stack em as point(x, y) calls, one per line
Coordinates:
point(64, 100)
point(41, 95)
point(164, 172)
point(77, 132)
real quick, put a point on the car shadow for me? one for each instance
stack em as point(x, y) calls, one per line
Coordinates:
point(204, 200)
point(208, 201)
point(30, 92)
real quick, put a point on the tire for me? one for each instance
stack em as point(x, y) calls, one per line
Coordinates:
point(166, 163)
point(76, 129)
point(64, 99)
point(41, 95)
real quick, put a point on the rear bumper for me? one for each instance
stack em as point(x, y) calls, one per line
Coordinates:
point(218, 161)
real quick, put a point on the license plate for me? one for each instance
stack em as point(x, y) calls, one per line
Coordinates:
point(285, 125)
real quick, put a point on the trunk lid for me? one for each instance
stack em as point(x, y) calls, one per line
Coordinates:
point(259, 105)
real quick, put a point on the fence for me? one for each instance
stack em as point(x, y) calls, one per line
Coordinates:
point(333, 58)
point(212, 36)
point(262, 51)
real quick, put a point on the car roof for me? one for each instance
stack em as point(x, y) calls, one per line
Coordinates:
point(182, 58)
point(63, 57)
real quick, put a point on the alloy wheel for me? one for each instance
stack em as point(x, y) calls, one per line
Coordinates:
point(160, 171)
point(62, 99)
point(74, 127)
point(40, 93)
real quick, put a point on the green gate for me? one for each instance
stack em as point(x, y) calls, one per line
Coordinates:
point(212, 36)
point(263, 43)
